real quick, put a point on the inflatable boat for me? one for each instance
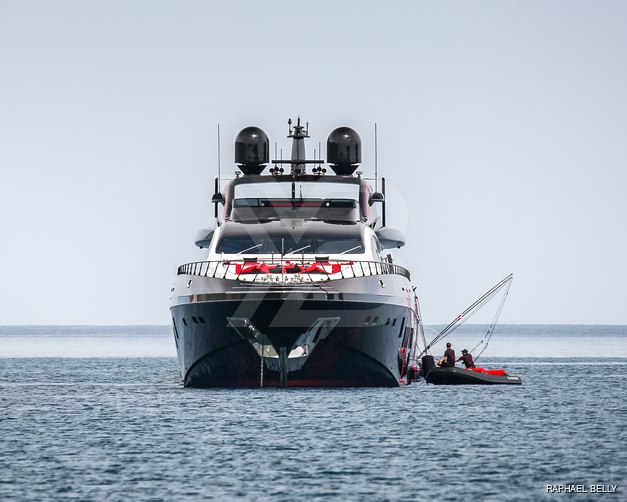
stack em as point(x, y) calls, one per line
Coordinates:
point(459, 376)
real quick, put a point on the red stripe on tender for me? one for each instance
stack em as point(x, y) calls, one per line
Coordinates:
point(488, 372)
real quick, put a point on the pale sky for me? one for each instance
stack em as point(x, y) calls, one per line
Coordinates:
point(501, 124)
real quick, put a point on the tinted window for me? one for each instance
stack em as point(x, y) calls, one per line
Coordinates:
point(233, 245)
point(376, 247)
point(334, 246)
point(307, 245)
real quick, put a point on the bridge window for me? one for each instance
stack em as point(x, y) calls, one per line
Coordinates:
point(277, 245)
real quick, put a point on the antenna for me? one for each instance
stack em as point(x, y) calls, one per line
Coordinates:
point(218, 187)
point(217, 190)
point(383, 203)
point(376, 170)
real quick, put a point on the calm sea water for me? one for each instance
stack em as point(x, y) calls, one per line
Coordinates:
point(91, 413)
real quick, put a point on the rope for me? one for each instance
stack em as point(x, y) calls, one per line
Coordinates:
point(490, 331)
point(408, 336)
point(418, 316)
point(472, 310)
point(413, 335)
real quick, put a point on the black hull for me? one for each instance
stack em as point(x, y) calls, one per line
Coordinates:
point(459, 376)
point(311, 343)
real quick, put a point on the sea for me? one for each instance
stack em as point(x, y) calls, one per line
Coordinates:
point(99, 413)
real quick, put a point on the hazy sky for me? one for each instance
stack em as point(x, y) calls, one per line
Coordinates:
point(502, 134)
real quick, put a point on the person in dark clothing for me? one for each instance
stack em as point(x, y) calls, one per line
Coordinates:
point(466, 358)
point(448, 359)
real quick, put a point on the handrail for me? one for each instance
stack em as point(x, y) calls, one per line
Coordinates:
point(290, 270)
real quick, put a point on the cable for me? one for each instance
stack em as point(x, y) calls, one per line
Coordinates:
point(472, 310)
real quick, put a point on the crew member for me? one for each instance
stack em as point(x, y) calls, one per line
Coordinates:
point(466, 358)
point(448, 359)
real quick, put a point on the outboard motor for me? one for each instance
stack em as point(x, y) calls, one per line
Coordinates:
point(428, 363)
point(252, 150)
point(344, 151)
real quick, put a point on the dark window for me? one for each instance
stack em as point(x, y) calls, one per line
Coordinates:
point(402, 328)
point(376, 248)
point(334, 246)
point(233, 245)
point(288, 244)
point(176, 333)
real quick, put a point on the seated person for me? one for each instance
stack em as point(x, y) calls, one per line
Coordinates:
point(448, 359)
point(466, 358)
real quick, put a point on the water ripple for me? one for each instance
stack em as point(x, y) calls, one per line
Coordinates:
point(124, 429)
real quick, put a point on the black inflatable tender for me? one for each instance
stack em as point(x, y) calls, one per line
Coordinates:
point(459, 376)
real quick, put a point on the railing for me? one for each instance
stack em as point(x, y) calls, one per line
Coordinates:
point(290, 271)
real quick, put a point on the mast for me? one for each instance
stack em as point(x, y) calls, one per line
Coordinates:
point(298, 135)
point(299, 157)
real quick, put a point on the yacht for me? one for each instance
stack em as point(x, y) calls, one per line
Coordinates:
point(299, 287)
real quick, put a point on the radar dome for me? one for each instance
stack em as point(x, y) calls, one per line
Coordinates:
point(344, 150)
point(252, 150)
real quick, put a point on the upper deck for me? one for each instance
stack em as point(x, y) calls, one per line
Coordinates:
point(339, 199)
point(342, 197)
